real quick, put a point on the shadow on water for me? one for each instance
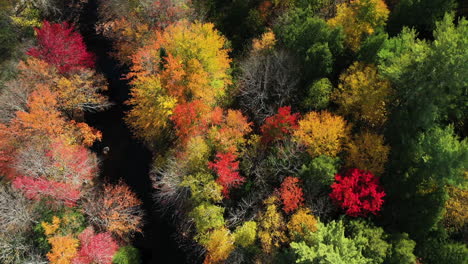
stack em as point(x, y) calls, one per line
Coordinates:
point(127, 159)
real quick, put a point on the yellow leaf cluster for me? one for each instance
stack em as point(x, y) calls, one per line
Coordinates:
point(368, 152)
point(265, 43)
point(219, 246)
point(456, 208)
point(322, 133)
point(51, 228)
point(271, 226)
point(360, 18)
point(63, 249)
point(301, 222)
point(363, 94)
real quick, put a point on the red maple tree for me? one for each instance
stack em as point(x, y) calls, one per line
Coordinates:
point(279, 125)
point(95, 248)
point(358, 192)
point(38, 188)
point(60, 45)
point(291, 194)
point(227, 170)
point(191, 119)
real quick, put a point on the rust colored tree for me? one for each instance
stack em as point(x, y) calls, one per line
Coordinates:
point(291, 194)
point(60, 45)
point(115, 208)
point(358, 192)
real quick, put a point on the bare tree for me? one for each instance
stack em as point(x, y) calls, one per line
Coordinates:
point(16, 212)
point(268, 81)
point(13, 98)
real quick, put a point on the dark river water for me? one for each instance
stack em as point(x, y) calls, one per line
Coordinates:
point(128, 159)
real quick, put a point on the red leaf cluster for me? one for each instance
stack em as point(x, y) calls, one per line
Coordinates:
point(227, 170)
point(191, 119)
point(38, 188)
point(291, 194)
point(95, 248)
point(60, 45)
point(279, 125)
point(358, 192)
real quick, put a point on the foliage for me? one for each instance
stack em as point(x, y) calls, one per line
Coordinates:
point(426, 78)
point(368, 152)
point(95, 248)
point(219, 246)
point(363, 94)
point(402, 250)
point(456, 213)
point(358, 192)
point(359, 19)
point(64, 249)
point(321, 170)
point(291, 194)
point(271, 226)
point(207, 217)
point(316, 43)
point(227, 170)
point(126, 255)
point(60, 45)
point(228, 134)
point(328, 245)
point(194, 66)
point(370, 240)
point(301, 223)
point(322, 132)
point(278, 126)
point(203, 188)
point(191, 119)
point(246, 234)
point(318, 94)
point(115, 208)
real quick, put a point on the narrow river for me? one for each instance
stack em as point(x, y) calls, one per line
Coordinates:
point(128, 159)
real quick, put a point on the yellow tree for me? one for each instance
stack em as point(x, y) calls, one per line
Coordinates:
point(456, 208)
point(368, 152)
point(359, 19)
point(363, 94)
point(63, 249)
point(219, 246)
point(301, 222)
point(271, 226)
point(185, 62)
point(322, 133)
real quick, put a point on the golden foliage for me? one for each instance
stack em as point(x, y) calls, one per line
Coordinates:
point(265, 43)
point(271, 226)
point(229, 133)
point(195, 66)
point(360, 18)
point(219, 245)
point(51, 228)
point(363, 94)
point(63, 249)
point(322, 132)
point(301, 222)
point(456, 208)
point(368, 152)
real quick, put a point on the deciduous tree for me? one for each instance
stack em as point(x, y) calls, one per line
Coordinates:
point(227, 169)
point(358, 192)
point(95, 248)
point(60, 45)
point(359, 19)
point(363, 95)
point(368, 152)
point(322, 132)
point(279, 125)
point(291, 194)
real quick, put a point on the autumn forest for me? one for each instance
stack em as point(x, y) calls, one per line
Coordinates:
point(233, 131)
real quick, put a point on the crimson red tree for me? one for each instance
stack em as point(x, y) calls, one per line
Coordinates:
point(95, 248)
point(227, 170)
point(291, 194)
point(60, 45)
point(279, 125)
point(358, 192)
